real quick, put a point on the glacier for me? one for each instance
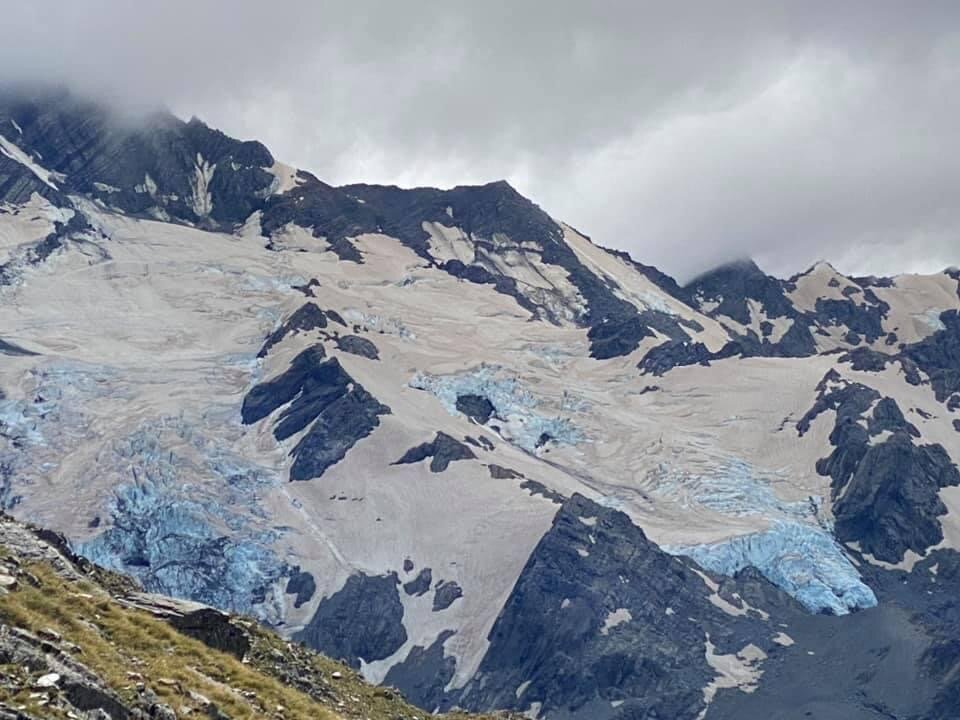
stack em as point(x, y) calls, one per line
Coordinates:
point(178, 538)
point(798, 552)
point(803, 561)
point(516, 405)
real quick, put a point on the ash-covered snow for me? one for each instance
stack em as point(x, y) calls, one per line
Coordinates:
point(515, 406)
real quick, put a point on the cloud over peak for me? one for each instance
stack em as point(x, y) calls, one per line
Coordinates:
point(688, 133)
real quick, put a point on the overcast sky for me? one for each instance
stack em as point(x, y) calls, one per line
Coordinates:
point(685, 132)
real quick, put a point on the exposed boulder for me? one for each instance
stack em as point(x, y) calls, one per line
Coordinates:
point(356, 345)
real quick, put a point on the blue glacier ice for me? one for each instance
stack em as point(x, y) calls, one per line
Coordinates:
point(517, 406)
point(189, 540)
point(798, 553)
point(802, 560)
point(171, 547)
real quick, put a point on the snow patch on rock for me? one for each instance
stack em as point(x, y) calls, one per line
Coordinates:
point(17, 155)
point(202, 198)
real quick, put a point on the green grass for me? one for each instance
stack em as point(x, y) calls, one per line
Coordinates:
point(116, 641)
point(125, 646)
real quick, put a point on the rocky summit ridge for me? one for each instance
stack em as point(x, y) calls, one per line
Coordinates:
point(450, 441)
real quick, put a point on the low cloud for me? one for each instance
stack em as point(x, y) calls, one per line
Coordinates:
point(687, 133)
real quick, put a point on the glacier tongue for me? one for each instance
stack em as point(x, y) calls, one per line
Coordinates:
point(800, 559)
point(798, 553)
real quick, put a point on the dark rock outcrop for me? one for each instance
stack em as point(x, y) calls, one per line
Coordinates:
point(356, 345)
point(862, 319)
point(362, 620)
point(663, 358)
point(498, 472)
point(12, 349)
point(301, 584)
point(588, 624)
point(307, 317)
point(424, 673)
point(420, 584)
point(320, 392)
point(443, 449)
point(939, 356)
point(886, 493)
point(184, 171)
point(445, 594)
point(891, 504)
point(734, 284)
point(214, 629)
point(476, 407)
point(537, 488)
point(867, 360)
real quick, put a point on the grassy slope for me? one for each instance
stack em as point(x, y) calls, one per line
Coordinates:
point(126, 647)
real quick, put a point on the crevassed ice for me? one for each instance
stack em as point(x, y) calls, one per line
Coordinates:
point(932, 318)
point(734, 489)
point(378, 323)
point(184, 539)
point(802, 560)
point(521, 423)
point(798, 553)
point(654, 302)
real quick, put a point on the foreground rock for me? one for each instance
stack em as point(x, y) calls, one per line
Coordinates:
point(79, 642)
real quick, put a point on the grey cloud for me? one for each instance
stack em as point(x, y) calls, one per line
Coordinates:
point(688, 133)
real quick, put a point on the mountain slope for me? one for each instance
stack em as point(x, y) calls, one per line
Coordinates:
point(443, 437)
point(76, 639)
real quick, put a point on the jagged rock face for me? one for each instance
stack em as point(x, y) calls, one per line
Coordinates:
point(171, 378)
point(308, 317)
point(302, 585)
point(892, 503)
point(937, 356)
point(184, 171)
point(600, 617)
point(318, 393)
point(424, 673)
point(886, 491)
point(733, 285)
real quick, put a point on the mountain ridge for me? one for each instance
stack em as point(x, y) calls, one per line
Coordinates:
point(405, 425)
